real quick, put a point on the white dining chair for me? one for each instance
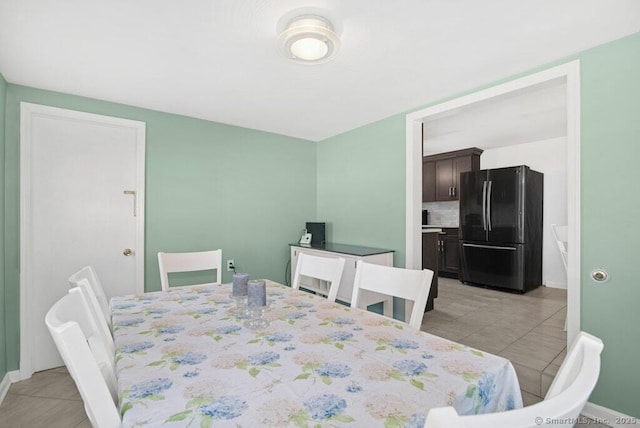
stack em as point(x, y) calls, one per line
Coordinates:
point(408, 284)
point(96, 312)
point(189, 262)
point(88, 273)
point(90, 364)
point(323, 271)
point(562, 405)
point(560, 235)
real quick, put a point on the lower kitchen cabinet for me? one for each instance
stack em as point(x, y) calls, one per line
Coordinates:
point(430, 260)
point(449, 252)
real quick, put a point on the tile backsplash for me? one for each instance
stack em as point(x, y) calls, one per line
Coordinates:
point(442, 213)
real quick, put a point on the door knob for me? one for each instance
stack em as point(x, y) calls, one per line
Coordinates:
point(127, 252)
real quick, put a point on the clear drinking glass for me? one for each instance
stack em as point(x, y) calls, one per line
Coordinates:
point(240, 310)
point(256, 319)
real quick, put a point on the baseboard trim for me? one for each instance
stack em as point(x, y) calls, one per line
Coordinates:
point(4, 386)
point(606, 416)
point(555, 284)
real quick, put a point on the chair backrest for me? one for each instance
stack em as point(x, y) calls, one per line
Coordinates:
point(96, 312)
point(90, 365)
point(566, 398)
point(189, 262)
point(406, 284)
point(89, 274)
point(322, 268)
point(560, 233)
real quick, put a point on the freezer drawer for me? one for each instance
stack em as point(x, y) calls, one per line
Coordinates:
point(493, 265)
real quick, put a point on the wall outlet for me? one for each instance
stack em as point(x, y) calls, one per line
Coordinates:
point(230, 265)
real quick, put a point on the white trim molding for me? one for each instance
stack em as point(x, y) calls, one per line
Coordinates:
point(555, 284)
point(5, 384)
point(570, 72)
point(606, 416)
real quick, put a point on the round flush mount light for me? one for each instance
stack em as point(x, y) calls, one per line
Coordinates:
point(309, 39)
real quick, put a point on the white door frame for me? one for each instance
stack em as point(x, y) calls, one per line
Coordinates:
point(571, 72)
point(27, 111)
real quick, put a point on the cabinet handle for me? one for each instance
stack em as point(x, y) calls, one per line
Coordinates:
point(454, 191)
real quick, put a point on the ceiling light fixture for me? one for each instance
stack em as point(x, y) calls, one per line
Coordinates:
point(310, 39)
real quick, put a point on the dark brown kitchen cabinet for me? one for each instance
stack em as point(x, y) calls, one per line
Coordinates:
point(430, 260)
point(448, 252)
point(441, 172)
point(428, 178)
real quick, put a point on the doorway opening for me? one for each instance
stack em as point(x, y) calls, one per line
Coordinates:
point(568, 75)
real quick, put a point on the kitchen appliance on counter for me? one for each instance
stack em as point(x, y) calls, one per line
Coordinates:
point(317, 231)
point(425, 217)
point(501, 228)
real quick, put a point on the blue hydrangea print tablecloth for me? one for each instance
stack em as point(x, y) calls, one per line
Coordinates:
point(183, 359)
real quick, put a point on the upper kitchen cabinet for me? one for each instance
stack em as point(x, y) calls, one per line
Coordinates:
point(428, 181)
point(441, 172)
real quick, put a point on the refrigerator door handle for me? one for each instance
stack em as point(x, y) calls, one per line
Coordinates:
point(489, 205)
point(484, 205)
point(493, 247)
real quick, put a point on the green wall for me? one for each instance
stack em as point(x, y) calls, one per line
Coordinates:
point(208, 185)
point(610, 206)
point(3, 325)
point(361, 188)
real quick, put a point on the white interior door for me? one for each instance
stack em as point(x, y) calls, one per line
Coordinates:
point(82, 205)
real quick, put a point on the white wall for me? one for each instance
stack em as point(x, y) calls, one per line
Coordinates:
point(550, 158)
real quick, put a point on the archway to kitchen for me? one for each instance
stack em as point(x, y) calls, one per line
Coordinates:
point(566, 77)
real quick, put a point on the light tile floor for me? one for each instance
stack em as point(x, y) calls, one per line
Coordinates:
point(49, 399)
point(526, 329)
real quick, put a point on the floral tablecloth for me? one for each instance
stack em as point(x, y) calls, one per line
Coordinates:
point(182, 359)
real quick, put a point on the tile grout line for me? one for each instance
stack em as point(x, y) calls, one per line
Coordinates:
point(540, 302)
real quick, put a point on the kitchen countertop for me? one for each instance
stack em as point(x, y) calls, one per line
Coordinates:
point(354, 250)
point(431, 230)
point(440, 226)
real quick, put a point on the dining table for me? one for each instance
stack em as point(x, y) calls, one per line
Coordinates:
point(184, 357)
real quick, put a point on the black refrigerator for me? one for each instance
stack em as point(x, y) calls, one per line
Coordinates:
point(501, 228)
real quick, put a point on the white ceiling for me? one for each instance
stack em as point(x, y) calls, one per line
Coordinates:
point(536, 113)
point(220, 59)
